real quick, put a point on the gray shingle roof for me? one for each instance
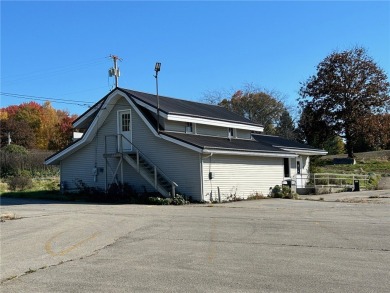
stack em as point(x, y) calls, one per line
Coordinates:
point(220, 143)
point(278, 141)
point(188, 108)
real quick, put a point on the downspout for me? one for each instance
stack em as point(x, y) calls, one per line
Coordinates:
point(211, 183)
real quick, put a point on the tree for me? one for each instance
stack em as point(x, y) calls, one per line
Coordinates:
point(36, 126)
point(312, 127)
point(47, 129)
point(348, 85)
point(374, 133)
point(258, 106)
point(63, 131)
point(285, 126)
point(20, 132)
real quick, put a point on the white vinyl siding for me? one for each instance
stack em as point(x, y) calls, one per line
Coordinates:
point(175, 126)
point(241, 133)
point(178, 163)
point(211, 130)
point(79, 165)
point(240, 175)
point(202, 129)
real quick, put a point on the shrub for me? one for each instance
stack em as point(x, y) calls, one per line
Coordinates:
point(255, 196)
point(287, 193)
point(15, 149)
point(179, 200)
point(276, 192)
point(19, 182)
point(15, 159)
point(283, 192)
point(373, 181)
point(159, 200)
point(176, 200)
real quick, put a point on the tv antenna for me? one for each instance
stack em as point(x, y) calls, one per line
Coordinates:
point(114, 71)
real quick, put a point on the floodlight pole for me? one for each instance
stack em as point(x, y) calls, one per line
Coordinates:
point(157, 69)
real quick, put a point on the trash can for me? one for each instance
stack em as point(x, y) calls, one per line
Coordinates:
point(286, 183)
point(356, 185)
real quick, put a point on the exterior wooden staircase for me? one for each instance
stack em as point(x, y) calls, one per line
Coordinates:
point(151, 173)
point(141, 163)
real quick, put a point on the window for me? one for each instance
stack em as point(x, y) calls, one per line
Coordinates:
point(230, 132)
point(286, 167)
point(189, 127)
point(126, 122)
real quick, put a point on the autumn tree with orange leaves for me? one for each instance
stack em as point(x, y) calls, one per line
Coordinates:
point(32, 125)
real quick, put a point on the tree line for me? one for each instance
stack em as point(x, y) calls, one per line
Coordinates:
point(344, 107)
point(35, 126)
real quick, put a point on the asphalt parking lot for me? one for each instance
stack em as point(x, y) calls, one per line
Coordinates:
point(270, 245)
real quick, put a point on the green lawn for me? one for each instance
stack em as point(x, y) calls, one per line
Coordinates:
point(370, 162)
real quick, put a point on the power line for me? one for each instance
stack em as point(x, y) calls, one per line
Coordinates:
point(56, 100)
point(52, 71)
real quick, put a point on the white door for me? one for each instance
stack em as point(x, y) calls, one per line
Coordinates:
point(124, 131)
point(300, 183)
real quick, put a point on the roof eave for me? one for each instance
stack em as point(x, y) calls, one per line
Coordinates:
point(301, 151)
point(214, 122)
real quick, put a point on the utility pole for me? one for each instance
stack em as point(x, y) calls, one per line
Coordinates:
point(114, 71)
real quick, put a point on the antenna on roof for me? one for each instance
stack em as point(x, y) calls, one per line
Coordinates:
point(114, 71)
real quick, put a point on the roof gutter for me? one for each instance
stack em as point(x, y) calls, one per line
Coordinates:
point(249, 153)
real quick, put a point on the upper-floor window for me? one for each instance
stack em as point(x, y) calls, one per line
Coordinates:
point(230, 132)
point(189, 127)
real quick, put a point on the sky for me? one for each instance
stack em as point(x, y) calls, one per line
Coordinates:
point(59, 51)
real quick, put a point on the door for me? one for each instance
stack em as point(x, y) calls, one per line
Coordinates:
point(300, 183)
point(124, 131)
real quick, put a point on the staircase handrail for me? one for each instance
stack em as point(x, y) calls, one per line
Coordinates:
point(145, 157)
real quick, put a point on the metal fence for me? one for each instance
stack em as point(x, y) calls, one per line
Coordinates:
point(338, 180)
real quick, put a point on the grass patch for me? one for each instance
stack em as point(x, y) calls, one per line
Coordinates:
point(41, 189)
point(378, 167)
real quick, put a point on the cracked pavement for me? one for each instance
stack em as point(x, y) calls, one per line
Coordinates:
point(270, 245)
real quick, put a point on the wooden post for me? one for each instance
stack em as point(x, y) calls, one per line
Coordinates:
point(173, 190)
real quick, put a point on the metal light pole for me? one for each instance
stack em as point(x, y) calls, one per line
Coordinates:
point(157, 69)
